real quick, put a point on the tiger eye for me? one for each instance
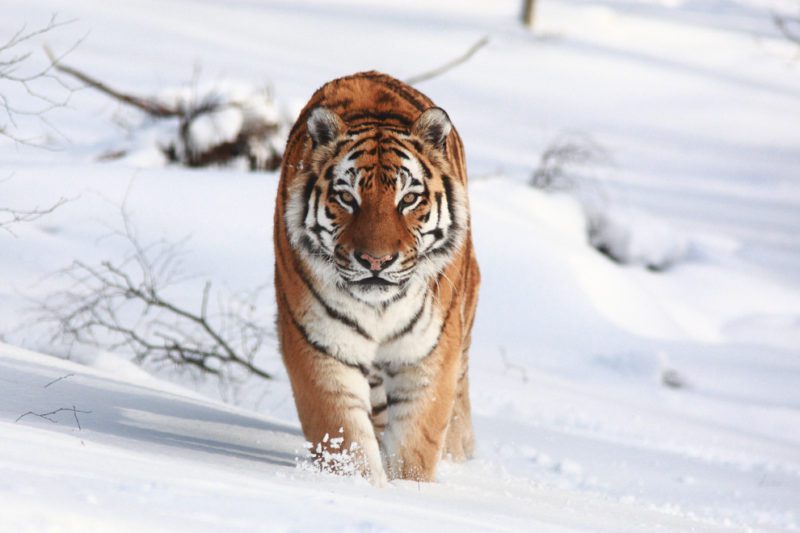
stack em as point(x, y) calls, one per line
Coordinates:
point(346, 197)
point(409, 198)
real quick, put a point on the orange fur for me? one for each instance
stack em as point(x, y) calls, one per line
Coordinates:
point(338, 343)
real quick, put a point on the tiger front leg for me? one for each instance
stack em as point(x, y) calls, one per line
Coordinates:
point(420, 403)
point(333, 403)
point(460, 441)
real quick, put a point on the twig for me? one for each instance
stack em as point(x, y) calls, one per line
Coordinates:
point(425, 76)
point(47, 416)
point(568, 150)
point(147, 105)
point(14, 216)
point(58, 379)
point(12, 62)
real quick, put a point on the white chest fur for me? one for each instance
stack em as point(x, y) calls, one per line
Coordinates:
point(359, 334)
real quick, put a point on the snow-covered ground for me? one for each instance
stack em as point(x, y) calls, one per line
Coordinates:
point(606, 397)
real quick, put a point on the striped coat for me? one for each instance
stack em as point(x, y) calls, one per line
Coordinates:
point(376, 279)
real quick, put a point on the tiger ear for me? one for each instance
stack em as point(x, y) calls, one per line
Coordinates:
point(433, 126)
point(324, 126)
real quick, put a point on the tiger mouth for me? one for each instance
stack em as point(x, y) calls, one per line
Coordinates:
point(374, 281)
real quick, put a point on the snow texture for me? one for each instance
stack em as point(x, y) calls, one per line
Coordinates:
point(606, 397)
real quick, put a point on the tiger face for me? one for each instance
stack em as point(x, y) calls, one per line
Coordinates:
point(378, 208)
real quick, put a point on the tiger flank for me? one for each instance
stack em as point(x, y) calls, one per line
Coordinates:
point(376, 278)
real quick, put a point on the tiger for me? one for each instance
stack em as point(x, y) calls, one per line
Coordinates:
point(376, 278)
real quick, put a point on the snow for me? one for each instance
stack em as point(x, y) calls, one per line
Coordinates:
point(606, 396)
point(633, 237)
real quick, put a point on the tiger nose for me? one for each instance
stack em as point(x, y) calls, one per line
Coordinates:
point(375, 264)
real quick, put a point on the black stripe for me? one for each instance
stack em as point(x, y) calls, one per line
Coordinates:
point(447, 246)
point(408, 327)
point(317, 193)
point(394, 372)
point(359, 403)
point(372, 125)
point(396, 298)
point(448, 191)
point(401, 154)
point(303, 333)
point(324, 350)
point(437, 234)
point(395, 400)
point(339, 147)
point(330, 311)
point(362, 141)
point(378, 409)
point(378, 116)
point(308, 244)
point(453, 300)
point(425, 169)
point(404, 91)
point(307, 190)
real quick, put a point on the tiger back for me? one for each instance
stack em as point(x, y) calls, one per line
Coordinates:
point(376, 278)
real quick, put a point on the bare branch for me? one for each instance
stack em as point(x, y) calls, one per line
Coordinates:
point(122, 306)
point(425, 76)
point(10, 216)
point(557, 162)
point(58, 379)
point(12, 61)
point(149, 106)
point(46, 416)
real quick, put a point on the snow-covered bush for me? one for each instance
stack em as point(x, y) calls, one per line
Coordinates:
point(633, 237)
point(627, 236)
point(224, 122)
point(560, 159)
point(198, 125)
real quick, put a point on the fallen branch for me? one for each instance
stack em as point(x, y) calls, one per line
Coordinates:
point(46, 416)
point(425, 76)
point(147, 105)
point(257, 138)
point(58, 379)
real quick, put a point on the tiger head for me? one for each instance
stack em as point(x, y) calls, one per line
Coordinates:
point(378, 206)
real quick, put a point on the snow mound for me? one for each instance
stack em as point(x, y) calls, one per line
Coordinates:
point(633, 237)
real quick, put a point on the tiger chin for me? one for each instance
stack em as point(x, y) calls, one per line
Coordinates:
point(376, 278)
